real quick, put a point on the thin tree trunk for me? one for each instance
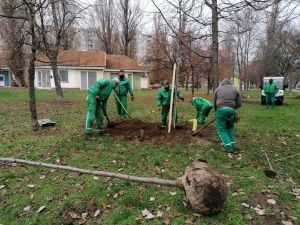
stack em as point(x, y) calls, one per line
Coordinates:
point(215, 44)
point(59, 93)
point(149, 180)
point(31, 75)
point(193, 86)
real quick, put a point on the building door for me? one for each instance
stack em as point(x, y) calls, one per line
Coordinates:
point(44, 79)
point(130, 78)
point(88, 78)
point(137, 81)
point(1, 80)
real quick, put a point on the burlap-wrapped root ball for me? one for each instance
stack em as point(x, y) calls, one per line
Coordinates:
point(205, 188)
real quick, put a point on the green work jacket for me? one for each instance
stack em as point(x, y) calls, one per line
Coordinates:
point(271, 88)
point(164, 97)
point(201, 103)
point(103, 88)
point(124, 87)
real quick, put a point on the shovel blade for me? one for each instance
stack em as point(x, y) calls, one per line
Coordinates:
point(270, 173)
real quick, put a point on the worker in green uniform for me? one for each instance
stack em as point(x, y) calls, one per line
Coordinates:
point(96, 104)
point(226, 100)
point(203, 108)
point(163, 102)
point(121, 93)
point(271, 89)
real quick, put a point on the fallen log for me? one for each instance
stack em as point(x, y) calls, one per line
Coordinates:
point(204, 187)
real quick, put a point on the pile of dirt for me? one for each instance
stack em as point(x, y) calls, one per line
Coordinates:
point(138, 130)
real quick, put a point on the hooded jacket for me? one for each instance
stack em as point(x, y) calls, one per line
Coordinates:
point(227, 96)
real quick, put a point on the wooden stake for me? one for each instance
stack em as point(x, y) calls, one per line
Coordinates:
point(149, 180)
point(172, 99)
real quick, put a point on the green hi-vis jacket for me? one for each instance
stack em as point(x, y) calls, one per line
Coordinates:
point(124, 87)
point(164, 97)
point(103, 88)
point(201, 103)
point(271, 88)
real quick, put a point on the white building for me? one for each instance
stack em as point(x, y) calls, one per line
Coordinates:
point(81, 69)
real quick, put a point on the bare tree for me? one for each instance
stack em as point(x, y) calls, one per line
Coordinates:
point(56, 18)
point(129, 18)
point(14, 38)
point(104, 17)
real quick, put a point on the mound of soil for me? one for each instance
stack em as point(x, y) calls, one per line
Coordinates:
point(138, 130)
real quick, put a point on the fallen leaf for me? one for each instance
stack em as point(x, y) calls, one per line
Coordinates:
point(31, 185)
point(31, 196)
point(259, 211)
point(97, 213)
point(27, 208)
point(104, 206)
point(113, 161)
point(197, 215)
point(151, 199)
point(96, 178)
point(120, 169)
point(286, 222)
point(159, 214)
point(2, 186)
point(245, 205)
point(147, 214)
point(42, 177)
point(173, 193)
point(41, 209)
point(271, 201)
point(73, 215)
point(84, 215)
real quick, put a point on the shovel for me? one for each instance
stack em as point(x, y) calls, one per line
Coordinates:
point(270, 173)
point(109, 124)
point(198, 131)
point(122, 104)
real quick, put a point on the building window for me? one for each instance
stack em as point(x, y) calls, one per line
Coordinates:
point(64, 76)
point(113, 75)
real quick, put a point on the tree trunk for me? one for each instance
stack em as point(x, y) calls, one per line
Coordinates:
point(149, 180)
point(193, 86)
point(290, 80)
point(59, 93)
point(19, 78)
point(31, 73)
point(215, 44)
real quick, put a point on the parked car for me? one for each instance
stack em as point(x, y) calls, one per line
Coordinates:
point(154, 86)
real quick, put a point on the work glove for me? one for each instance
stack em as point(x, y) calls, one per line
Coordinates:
point(132, 98)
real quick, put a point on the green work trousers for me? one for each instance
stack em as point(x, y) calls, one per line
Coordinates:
point(270, 100)
point(123, 99)
point(94, 112)
point(164, 115)
point(225, 127)
point(202, 114)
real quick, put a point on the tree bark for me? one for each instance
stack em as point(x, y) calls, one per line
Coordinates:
point(31, 74)
point(150, 180)
point(59, 93)
point(215, 44)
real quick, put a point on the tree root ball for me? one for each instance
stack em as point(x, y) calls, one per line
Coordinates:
point(205, 188)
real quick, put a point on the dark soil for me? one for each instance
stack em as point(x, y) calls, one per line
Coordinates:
point(138, 130)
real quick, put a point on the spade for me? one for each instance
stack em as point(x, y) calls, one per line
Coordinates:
point(270, 173)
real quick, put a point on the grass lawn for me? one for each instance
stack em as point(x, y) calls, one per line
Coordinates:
point(66, 196)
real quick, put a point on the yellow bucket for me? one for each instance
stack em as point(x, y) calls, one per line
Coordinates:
point(194, 123)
